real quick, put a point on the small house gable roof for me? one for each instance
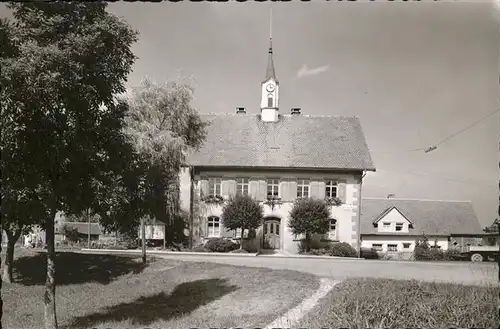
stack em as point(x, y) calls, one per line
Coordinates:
point(431, 217)
point(387, 211)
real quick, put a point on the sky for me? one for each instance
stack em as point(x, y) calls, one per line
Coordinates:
point(414, 73)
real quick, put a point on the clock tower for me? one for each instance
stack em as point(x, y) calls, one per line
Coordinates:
point(270, 90)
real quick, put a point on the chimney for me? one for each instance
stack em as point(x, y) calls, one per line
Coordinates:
point(295, 111)
point(240, 110)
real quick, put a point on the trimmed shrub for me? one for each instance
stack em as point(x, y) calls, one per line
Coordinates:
point(422, 254)
point(239, 251)
point(342, 249)
point(369, 253)
point(221, 245)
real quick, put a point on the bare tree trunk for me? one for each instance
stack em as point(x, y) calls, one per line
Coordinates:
point(1, 300)
point(241, 239)
point(50, 283)
point(143, 238)
point(308, 242)
point(9, 255)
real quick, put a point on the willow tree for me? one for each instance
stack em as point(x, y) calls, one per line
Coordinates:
point(60, 87)
point(162, 126)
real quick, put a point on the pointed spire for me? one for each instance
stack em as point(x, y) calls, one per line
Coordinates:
point(270, 73)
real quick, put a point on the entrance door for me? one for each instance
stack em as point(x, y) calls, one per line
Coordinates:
point(272, 234)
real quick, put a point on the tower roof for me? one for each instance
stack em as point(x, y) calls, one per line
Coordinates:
point(270, 73)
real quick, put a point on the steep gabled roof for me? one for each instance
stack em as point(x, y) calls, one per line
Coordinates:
point(294, 141)
point(388, 210)
point(432, 217)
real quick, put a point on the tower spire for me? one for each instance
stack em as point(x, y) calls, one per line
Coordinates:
point(270, 73)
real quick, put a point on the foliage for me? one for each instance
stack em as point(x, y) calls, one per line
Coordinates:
point(493, 228)
point(309, 216)
point(242, 212)
point(451, 254)
point(342, 249)
point(273, 201)
point(221, 245)
point(71, 234)
point(215, 199)
point(59, 109)
point(333, 201)
point(161, 127)
point(369, 253)
point(422, 242)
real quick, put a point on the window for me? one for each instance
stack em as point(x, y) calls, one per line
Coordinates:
point(392, 247)
point(331, 189)
point(386, 226)
point(242, 186)
point(399, 227)
point(332, 229)
point(377, 247)
point(237, 233)
point(406, 245)
point(213, 226)
point(269, 101)
point(303, 188)
point(214, 186)
point(273, 187)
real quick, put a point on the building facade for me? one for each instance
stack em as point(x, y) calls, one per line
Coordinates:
point(276, 158)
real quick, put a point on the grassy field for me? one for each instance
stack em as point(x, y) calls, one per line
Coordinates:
point(103, 291)
point(394, 304)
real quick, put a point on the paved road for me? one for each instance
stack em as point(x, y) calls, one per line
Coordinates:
point(459, 272)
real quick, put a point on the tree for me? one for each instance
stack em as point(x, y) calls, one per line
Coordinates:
point(242, 212)
point(59, 89)
point(309, 216)
point(162, 126)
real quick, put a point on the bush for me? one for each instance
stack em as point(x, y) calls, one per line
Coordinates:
point(239, 251)
point(422, 254)
point(221, 245)
point(369, 253)
point(343, 249)
point(319, 252)
point(452, 254)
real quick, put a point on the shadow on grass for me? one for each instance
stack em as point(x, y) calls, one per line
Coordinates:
point(186, 298)
point(75, 268)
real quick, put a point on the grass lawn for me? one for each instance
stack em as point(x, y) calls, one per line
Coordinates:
point(104, 291)
point(381, 303)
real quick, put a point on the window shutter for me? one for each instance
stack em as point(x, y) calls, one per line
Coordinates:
point(292, 188)
point(341, 189)
point(203, 186)
point(262, 195)
point(321, 190)
point(254, 188)
point(285, 189)
point(225, 189)
point(314, 186)
point(231, 184)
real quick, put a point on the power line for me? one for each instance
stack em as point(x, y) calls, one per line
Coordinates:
point(433, 147)
point(466, 128)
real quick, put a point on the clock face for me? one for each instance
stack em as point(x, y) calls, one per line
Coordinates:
point(270, 87)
